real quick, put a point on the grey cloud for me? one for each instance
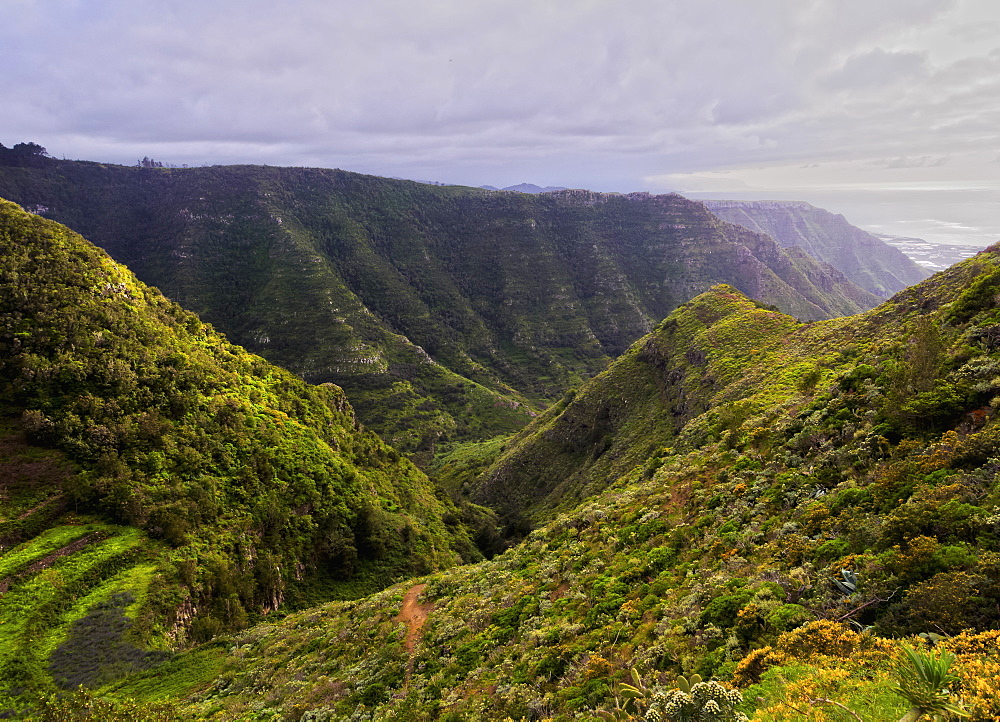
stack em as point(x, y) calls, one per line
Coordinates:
point(595, 90)
point(878, 68)
point(921, 162)
point(977, 31)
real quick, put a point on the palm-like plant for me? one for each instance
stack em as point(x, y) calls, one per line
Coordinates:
point(630, 701)
point(924, 682)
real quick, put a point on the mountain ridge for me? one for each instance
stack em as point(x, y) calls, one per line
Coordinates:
point(421, 301)
point(875, 266)
point(150, 465)
point(831, 495)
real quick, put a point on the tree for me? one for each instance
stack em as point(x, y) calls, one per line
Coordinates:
point(23, 155)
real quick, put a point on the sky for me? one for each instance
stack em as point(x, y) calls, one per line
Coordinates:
point(887, 111)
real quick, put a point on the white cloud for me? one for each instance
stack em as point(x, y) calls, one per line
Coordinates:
point(603, 93)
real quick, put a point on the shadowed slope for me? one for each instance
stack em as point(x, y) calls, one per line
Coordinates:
point(444, 312)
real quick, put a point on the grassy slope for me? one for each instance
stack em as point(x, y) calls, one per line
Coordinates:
point(866, 443)
point(145, 456)
point(444, 312)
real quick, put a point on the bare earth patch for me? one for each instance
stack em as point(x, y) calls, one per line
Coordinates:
point(413, 615)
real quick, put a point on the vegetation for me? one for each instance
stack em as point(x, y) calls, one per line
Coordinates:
point(788, 535)
point(746, 515)
point(162, 486)
point(446, 313)
point(924, 682)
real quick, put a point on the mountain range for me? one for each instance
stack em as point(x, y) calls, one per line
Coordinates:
point(444, 312)
point(730, 504)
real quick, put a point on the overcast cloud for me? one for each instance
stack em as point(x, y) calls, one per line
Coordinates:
point(885, 110)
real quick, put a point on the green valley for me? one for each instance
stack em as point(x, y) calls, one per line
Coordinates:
point(161, 486)
point(744, 508)
point(444, 312)
point(742, 496)
point(475, 361)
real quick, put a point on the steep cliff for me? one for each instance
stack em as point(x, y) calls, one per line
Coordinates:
point(859, 255)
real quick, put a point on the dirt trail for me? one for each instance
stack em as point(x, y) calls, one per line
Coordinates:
point(47, 561)
point(413, 615)
point(32, 510)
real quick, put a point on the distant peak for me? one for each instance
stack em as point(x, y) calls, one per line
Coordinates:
point(532, 188)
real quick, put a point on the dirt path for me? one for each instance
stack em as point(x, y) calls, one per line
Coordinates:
point(50, 500)
point(47, 561)
point(413, 615)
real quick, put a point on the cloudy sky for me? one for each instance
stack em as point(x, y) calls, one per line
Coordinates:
point(885, 110)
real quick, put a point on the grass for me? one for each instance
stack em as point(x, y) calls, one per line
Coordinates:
point(39, 608)
point(133, 581)
point(96, 649)
point(176, 678)
point(45, 543)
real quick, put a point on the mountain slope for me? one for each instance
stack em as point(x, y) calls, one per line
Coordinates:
point(817, 475)
point(859, 255)
point(636, 408)
point(154, 468)
point(443, 311)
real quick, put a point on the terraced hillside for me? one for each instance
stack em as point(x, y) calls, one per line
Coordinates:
point(444, 312)
point(159, 485)
point(825, 490)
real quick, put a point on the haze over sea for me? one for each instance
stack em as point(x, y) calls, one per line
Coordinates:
point(940, 215)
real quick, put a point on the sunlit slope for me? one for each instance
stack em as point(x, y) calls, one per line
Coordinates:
point(719, 347)
point(755, 460)
point(151, 466)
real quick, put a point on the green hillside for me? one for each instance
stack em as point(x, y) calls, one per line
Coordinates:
point(774, 503)
point(160, 485)
point(875, 266)
point(444, 312)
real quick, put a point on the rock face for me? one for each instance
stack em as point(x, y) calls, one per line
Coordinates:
point(859, 255)
point(442, 311)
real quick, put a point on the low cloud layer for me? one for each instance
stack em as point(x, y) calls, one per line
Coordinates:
point(607, 94)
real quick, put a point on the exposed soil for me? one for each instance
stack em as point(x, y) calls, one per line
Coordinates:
point(413, 615)
point(559, 591)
